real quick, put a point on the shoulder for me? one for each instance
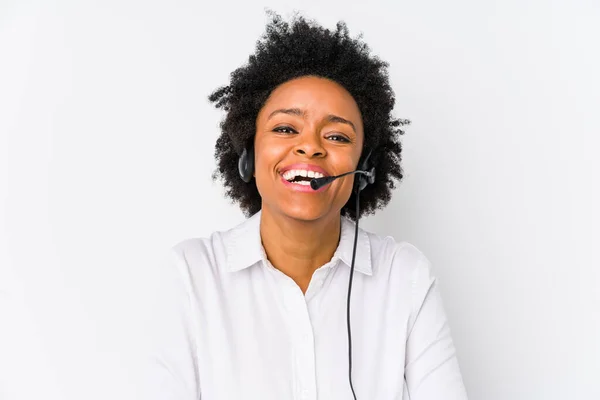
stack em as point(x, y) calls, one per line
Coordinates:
point(386, 251)
point(207, 261)
point(223, 250)
point(195, 248)
point(400, 262)
point(201, 252)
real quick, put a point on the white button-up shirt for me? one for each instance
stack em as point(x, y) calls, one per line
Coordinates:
point(234, 327)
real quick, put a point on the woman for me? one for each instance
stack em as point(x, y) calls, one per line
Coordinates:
point(264, 309)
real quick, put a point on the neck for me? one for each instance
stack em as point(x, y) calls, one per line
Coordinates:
point(297, 248)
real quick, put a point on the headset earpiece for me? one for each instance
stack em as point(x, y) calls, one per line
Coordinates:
point(371, 177)
point(246, 164)
point(361, 180)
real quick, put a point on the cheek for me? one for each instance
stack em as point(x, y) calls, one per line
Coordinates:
point(265, 162)
point(260, 176)
point(345, 163)
point(346, 187)
point(260, 172)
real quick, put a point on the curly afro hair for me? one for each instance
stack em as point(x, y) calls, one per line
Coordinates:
point(301, 47)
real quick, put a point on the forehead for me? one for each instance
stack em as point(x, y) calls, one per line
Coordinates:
point(316, 96)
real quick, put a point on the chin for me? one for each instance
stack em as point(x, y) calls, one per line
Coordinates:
point(301, 213)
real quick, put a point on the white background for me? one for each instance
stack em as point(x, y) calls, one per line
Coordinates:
point(106, 155)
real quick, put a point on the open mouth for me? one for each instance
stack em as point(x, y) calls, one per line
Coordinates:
point(301, 177)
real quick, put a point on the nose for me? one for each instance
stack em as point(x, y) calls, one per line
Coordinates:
point(310, 145)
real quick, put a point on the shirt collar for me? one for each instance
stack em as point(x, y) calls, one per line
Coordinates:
point(244, 247)
point(363, 247)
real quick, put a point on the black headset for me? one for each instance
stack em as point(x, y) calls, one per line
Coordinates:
point(246, 164)
point(365, 177)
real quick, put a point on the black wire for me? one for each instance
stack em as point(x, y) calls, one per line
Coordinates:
point(348, 300)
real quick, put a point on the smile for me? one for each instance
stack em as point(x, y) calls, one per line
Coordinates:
point(301, 176)
point(302, 186)
point(298, 176)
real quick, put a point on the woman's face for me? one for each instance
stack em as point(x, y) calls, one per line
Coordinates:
point(308, 126)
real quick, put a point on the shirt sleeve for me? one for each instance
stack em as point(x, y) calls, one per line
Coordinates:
point(431, 366)
point(169, 368)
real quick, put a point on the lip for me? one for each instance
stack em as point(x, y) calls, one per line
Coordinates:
point(308, 167)
point(303, 188)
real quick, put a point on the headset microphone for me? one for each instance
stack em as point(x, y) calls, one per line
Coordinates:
point(318, 183)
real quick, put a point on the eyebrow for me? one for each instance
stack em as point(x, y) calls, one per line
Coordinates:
point(298, 112)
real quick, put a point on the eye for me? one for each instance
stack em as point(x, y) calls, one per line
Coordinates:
point(339, 138)
point(284, 129)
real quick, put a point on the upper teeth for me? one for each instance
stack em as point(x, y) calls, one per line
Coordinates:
point(292, 173)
